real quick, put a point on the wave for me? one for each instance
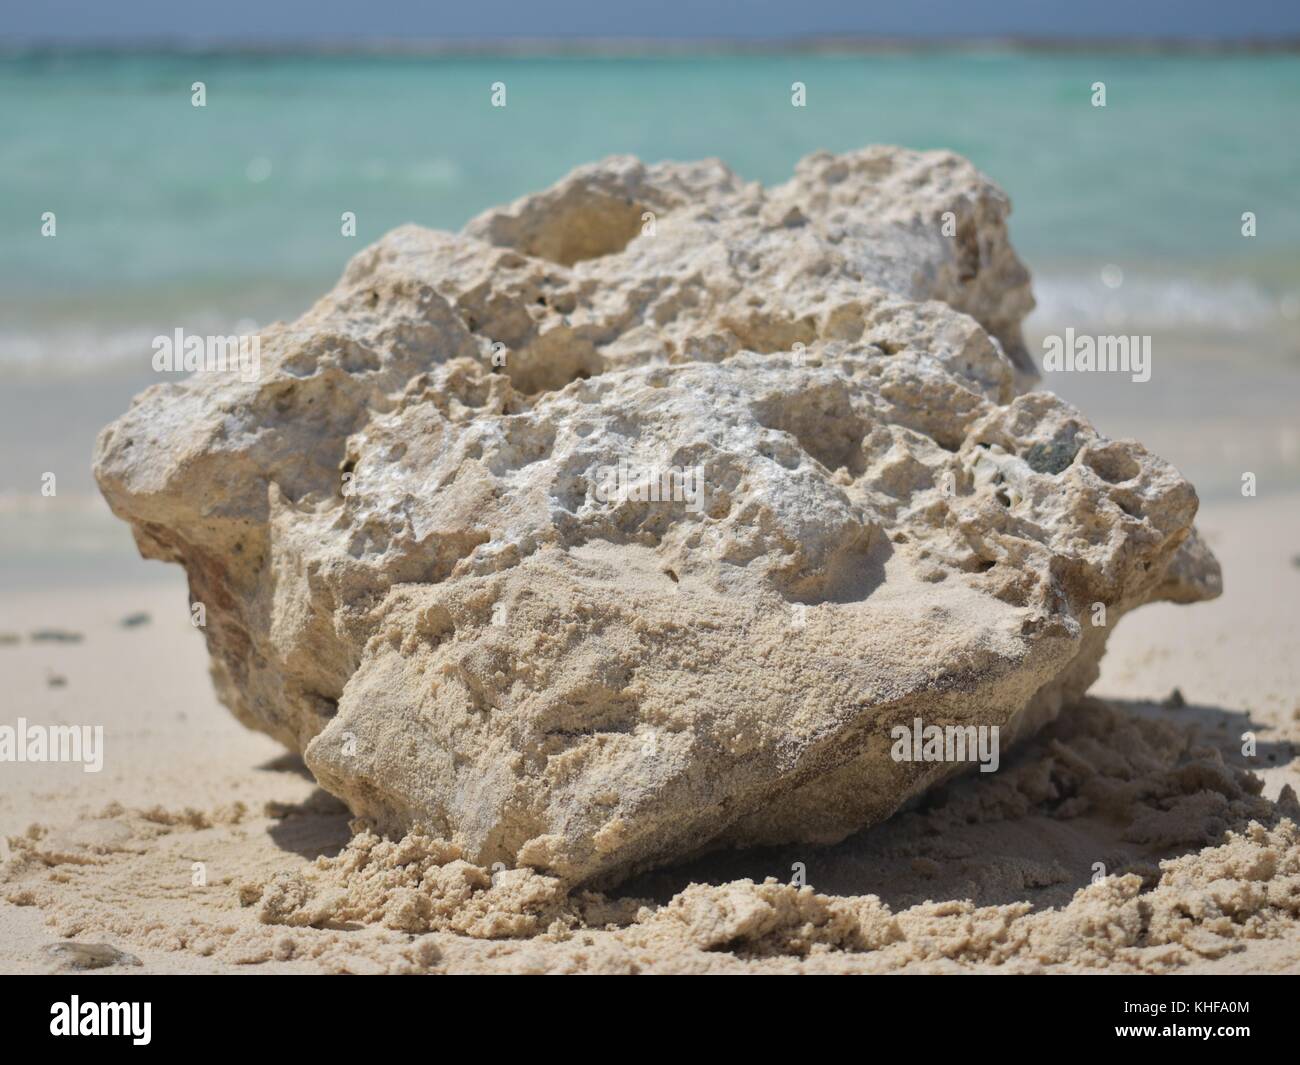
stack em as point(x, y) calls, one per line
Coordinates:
point(65, 349)
point(1235, 306)
point(74, 349)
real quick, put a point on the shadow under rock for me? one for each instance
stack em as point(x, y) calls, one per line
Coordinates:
point(1122, 785)
point(288, 762)
point(314, 827)
point(318, 825)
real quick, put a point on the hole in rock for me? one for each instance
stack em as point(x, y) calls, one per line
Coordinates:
point(1112, 464)
point(825, 426)
point(583, 224)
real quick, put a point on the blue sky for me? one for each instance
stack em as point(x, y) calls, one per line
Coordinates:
point(285, 20)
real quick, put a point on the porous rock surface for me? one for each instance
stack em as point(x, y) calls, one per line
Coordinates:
point(410, 575)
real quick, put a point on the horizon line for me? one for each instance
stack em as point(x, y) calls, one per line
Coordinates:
point(642, 45)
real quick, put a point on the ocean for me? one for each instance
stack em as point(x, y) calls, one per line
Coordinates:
point(169, 214)
point(173, 216)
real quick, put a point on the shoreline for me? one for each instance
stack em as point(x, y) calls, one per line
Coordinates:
point(828, 44)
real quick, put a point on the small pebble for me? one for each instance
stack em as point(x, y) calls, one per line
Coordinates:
point(56, 680)
point(81, 956)
point(55, 636)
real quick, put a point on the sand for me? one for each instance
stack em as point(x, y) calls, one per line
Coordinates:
point(203, 847)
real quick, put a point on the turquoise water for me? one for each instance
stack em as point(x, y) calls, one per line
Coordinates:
point(170, 215)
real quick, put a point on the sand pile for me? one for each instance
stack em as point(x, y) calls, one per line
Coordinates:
point(1195, 865)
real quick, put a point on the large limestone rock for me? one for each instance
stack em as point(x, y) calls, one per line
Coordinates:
point(418, 569)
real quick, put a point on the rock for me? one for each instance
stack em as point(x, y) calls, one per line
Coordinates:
point(628, 522)
point(81, 956)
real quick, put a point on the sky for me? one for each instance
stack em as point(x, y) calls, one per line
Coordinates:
point(347, 20)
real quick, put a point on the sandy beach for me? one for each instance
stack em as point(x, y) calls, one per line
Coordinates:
point(111, 856)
